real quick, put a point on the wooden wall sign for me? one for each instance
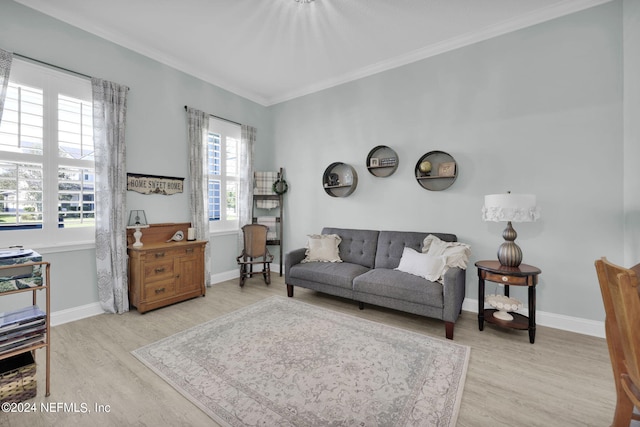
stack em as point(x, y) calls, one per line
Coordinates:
point(153, 184)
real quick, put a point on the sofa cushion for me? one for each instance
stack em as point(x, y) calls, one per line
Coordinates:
point(357, 246)
point(322, 248)
point(423, 265)
point(457, 254)
point(399, 285)
point(391, 244)
point(335, 274)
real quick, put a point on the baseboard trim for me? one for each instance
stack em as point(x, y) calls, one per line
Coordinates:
point(75, 313)
point(224, 276)
point(543, 318)
point(552, 320)
point(234, 274)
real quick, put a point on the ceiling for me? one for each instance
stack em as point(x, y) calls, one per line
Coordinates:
point(271, 51)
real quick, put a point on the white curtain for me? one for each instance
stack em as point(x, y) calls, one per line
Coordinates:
point(245, 190)
point(198, 131)
point(5, 69)
point(109, 118)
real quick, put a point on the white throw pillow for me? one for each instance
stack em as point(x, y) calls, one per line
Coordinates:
point(322, 248)
point(423, 265)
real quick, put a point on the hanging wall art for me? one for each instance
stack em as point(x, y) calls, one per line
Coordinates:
point(154, 184)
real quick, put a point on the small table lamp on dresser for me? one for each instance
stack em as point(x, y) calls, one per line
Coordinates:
point(137, 220)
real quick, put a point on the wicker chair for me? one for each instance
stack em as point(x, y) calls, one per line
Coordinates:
point(619, 287)
point(255, 252)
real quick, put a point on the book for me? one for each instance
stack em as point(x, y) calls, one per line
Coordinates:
point(23, 342)
point(21, 315)
point(20, 329)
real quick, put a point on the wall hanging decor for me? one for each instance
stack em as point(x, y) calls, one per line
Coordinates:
point(382, 161)
point(436, 170)
point(154, 184)
point(339, 179)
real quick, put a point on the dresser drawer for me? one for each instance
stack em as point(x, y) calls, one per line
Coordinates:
point(158, 270)
point(158, 290)
point(160, 254)
point(506, 280)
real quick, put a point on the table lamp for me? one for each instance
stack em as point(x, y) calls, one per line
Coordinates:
point(137, 220)
point(511, 208)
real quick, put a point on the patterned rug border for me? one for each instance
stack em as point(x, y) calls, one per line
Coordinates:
point(270, 300)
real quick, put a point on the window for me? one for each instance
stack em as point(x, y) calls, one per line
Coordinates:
point(222, 174)
point(46, 157)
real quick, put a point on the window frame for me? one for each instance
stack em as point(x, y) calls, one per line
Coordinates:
point(53, 83)
point(227, 131)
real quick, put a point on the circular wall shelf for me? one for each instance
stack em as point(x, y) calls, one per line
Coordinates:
point(339, 179)
point(382, 161)
point(436, 170)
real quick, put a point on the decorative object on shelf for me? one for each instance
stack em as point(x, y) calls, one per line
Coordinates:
point(137, 221)
point(447, 169)
point(154, 184)
point(504, 305)
point(191, 233)
point(425, 167)
point(178, 236)
point(333, 180)
point(511, 208)
point(382, 161)
point(339, 179)
point(436, 170)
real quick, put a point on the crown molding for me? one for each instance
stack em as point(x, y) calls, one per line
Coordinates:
point(543, 15)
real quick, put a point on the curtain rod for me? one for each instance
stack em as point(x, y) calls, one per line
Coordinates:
point(50, 65)
point(221, 118)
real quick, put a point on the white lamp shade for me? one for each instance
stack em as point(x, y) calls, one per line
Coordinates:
point(510, 207)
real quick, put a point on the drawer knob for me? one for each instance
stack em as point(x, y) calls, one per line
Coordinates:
point(189, 250)
point(159, 254)
point(160, 270)
point(159, 290)
point(505, 279)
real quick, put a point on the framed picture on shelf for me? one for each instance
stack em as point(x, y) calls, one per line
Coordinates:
point(447, 169)
point(374, 162)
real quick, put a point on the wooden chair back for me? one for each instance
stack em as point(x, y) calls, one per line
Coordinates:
point(619, 289)
point(255, 240)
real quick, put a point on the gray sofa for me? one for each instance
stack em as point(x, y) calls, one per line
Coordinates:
point(367, 275)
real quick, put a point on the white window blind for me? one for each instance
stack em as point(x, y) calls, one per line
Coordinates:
point(46, 158)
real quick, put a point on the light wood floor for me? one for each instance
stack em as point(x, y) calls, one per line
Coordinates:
point(564, 379)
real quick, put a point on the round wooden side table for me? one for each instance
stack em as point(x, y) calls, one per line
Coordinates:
point(523, 275)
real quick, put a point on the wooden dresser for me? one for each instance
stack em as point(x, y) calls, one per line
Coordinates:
point(161, 272)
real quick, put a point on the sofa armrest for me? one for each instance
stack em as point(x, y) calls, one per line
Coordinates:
point(453, 288)
point(292, 258)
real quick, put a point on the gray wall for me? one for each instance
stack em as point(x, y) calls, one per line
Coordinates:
point(535, 111)
point(631, 27)
point(538, 111)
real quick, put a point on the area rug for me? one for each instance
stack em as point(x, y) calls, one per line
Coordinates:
point(282, 362)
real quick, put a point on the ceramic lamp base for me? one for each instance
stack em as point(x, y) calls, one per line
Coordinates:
point(509, 254)
point(137, 234)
